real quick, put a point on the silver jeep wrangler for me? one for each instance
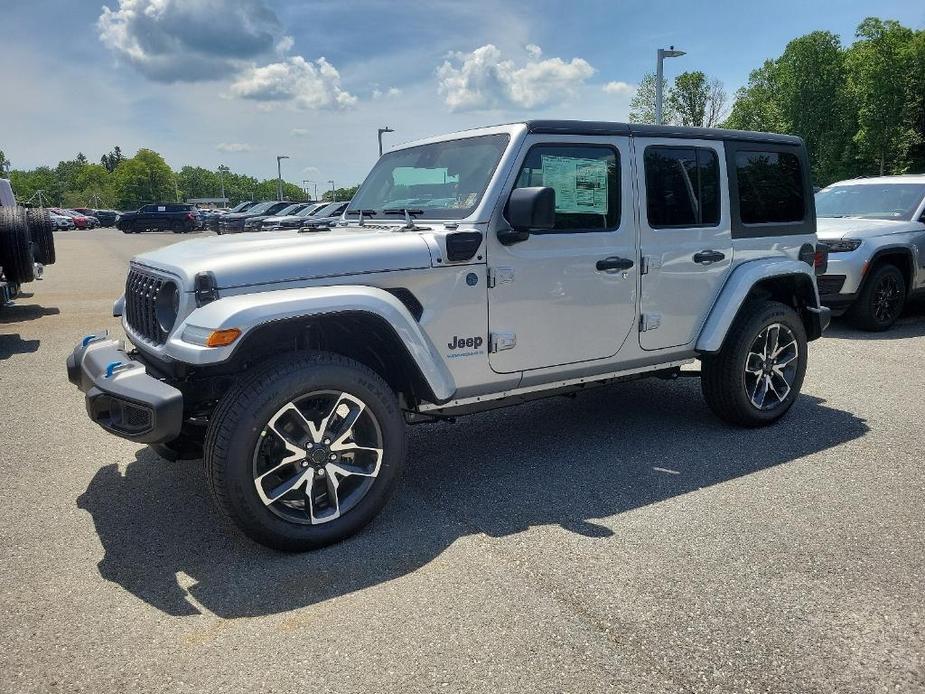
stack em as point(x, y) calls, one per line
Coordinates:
point(474, 270)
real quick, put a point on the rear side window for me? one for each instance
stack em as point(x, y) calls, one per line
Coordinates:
point(770, 187)
point(586, 179)
point(682, 187)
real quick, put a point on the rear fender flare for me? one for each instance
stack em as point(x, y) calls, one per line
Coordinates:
point(740, 284)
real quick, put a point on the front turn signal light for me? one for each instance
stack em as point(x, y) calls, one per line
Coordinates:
point(222, 338)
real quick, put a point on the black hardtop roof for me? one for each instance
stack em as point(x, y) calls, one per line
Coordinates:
point(597, 127)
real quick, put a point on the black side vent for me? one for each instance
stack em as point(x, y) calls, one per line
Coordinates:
point(409, 300)
point(462, 245)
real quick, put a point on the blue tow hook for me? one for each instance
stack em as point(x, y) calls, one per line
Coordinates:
point(111, 367)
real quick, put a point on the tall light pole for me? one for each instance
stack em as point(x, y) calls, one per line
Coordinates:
point(279, 176)
point(306, 181)
point(221, 177)
point(663, 53)
point(333, 191)
point(386, 129)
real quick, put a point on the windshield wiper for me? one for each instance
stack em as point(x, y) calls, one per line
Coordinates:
point(365, 213)
point(403, 210)
point(408, 213)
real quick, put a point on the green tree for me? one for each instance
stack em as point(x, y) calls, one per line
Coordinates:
point(879, 65)
point(112, 159)
point(642, 105)
point(28, 183)
point(92, 188)
point(5, 164)
point(805, 93)
point(342, 194)
point(141, 179)
point(198, 182)
point(915, 100)
point(695, 101)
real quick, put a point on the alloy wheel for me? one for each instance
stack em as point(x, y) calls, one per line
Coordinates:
point(317, 457)
point(886, 299)
point(771, 366)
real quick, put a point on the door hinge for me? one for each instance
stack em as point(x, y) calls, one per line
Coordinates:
point(649, 321)
point(500, 275)
point(650, 262)
point(500, 341)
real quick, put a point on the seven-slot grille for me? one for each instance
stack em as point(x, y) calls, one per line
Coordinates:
point(141, 290)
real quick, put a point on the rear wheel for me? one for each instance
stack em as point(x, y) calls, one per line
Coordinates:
point(881, 300)
point(757, 375)
point(306, 451)
point(42, 231)
point(16, 256)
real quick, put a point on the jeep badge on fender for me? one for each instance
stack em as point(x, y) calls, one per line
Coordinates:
point(465, 342)
point(292, 363)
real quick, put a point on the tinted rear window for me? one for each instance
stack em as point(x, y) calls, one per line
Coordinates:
point(682, 186)
point(770, 187)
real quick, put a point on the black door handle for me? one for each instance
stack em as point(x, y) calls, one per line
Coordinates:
point(707, 257)
point(614, 263)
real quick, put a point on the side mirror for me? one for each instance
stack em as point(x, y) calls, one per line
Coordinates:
point(529, 209)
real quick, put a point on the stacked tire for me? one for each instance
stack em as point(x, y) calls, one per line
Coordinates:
point(16, 254)
point(41, 229)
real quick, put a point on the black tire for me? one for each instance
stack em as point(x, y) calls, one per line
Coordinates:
point(42, 231)
point(881, 300)
point(730, 391)
point(240, 430)
point(16, 246)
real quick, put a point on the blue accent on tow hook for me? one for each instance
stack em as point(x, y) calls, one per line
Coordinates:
point(112, 366)
point(87, 340)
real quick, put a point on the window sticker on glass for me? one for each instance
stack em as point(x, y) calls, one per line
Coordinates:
point(161, 208)
point(580, 184)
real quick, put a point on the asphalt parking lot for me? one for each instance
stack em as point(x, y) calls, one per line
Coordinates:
point(625, 540)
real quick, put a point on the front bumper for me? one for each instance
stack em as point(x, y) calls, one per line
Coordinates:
point(120, 394)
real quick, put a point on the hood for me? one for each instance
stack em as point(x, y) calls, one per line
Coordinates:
point(286, 256)
point(835, 228)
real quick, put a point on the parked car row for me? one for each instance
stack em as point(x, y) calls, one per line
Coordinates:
point(81, 218)
point(275, 215)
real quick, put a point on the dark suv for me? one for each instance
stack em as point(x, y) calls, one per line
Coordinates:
point(177, 217)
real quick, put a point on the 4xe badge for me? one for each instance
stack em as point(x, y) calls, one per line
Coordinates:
point(465, 342)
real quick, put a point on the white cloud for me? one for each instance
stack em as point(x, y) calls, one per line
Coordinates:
point(299, 132)
point(295, 81)
point(233, 147)
point(483, 80)
point(190, 40)
point(390, 92)
point(618, 88)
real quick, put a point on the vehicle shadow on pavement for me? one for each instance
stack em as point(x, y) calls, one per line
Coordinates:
point(572, 463)
point(14, 344)
point(17, 313)
point(910, 324)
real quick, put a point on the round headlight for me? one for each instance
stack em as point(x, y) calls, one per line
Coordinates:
point(167, 306)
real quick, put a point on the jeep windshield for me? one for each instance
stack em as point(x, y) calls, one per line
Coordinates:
point(872, 200)
point(441, 180)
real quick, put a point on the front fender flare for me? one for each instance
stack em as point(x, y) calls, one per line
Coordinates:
point(246, 312)
point(736, 290)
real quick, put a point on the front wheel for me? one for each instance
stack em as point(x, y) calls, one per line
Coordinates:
point(881, 300)
point(757, 375)
point(306, 451)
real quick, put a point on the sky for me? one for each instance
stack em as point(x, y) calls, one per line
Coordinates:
point(238, 82)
